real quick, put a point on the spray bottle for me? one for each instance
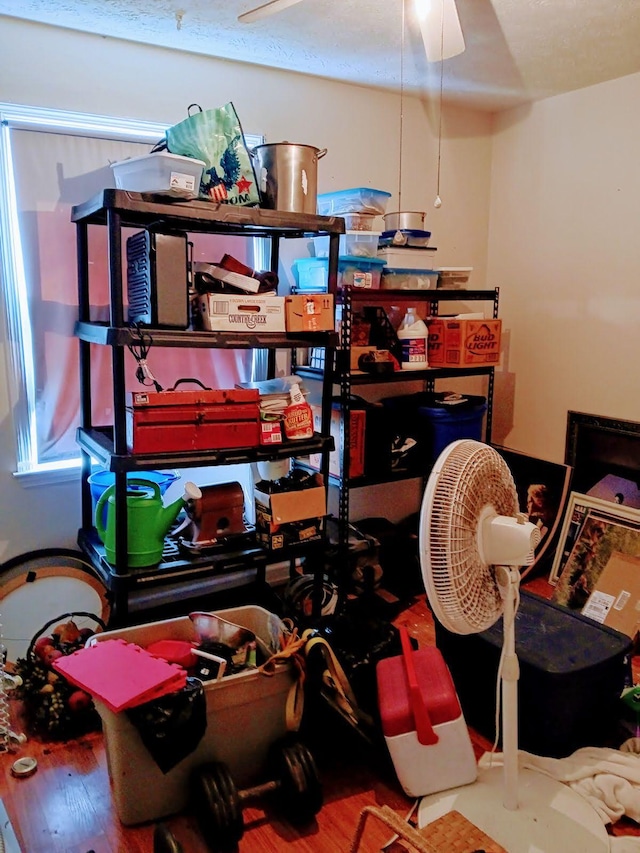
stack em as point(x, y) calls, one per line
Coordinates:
point(413, 335)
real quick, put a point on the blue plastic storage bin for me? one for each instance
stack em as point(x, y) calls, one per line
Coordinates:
point(355, 200)
point(311, 274)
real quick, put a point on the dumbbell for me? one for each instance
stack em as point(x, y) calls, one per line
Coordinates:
point(217, 803)
point(164, 841)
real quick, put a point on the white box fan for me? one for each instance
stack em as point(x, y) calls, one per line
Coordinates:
point(472, 543)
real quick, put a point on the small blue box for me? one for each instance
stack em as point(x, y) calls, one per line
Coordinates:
point(312, 274)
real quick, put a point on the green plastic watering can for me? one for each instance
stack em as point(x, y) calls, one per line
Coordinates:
point(148, 520)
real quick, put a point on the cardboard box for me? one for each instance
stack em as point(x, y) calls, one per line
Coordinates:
point(615, 599)
point(464, 343)
point(355, 354)
point(270, 432)
point(310, 312)
point(356, 450)
point(219, 312)
point(290, 518)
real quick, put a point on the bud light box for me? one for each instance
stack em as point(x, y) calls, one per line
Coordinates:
point(455, 342)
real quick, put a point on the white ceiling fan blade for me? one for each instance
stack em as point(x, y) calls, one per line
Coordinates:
point(440, 29)
point(265, 10)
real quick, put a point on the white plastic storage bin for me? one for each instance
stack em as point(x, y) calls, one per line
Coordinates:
point(312, 274)
point(405, 258)
point(361, 221)
point(159, 172)
point(358, 244)
point(395, 279)
point(454, 278)
point(245, 716)
point(356, 200)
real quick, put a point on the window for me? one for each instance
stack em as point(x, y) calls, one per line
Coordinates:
point(49, 161)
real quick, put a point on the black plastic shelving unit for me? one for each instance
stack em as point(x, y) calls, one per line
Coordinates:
point(350, 299)
point(179, 578)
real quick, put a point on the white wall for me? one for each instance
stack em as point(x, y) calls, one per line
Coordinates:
point(360, 127)
point(564, 249)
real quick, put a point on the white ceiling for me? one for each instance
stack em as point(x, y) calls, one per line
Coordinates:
point(517, 50)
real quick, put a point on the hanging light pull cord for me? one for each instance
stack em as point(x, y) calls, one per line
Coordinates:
point(438, 201)
point(402, 47)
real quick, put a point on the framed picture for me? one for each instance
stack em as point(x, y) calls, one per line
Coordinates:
point(592, 530)
point(543, 490)
point(605, 456)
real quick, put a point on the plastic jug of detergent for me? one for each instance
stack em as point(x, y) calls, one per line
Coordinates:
point(413, 335)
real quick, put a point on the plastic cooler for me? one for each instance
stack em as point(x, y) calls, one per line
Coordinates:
point(245, 715)
point(422, 722)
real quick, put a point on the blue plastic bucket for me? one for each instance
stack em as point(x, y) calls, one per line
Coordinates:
point(100, 481)
point(445, 425)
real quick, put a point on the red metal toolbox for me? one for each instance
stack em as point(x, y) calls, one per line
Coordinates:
point(177, 421)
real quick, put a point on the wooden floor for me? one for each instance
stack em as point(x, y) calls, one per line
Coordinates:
point(66, 806)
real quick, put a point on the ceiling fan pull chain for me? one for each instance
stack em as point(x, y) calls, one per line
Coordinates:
point(438, 200)
point(402, 47)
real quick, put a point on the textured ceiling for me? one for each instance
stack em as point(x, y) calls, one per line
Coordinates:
point(517, 50)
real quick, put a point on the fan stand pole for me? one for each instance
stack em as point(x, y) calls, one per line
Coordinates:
point(539, 814)
point(510, 676)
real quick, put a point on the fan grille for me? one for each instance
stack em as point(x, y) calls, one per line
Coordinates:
point(461, 588)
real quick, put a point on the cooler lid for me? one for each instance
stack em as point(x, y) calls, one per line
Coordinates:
point(436, 687)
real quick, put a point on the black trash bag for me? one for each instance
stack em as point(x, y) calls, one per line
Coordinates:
point(172, 726)
point(359, 640)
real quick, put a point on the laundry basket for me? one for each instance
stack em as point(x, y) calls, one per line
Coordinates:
point(245, 716)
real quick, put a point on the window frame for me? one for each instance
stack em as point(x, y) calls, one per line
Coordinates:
point(22, 390)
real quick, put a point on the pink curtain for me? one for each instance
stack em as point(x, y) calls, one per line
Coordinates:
point(53, 172)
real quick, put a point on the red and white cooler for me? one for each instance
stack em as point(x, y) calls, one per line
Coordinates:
point(422, 721)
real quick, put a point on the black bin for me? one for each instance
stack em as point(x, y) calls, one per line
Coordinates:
point(428, 421)
point(572, 672)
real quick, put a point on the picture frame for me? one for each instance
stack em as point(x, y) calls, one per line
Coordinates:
point(543, 489)
point(613, 518)
point(604, 453)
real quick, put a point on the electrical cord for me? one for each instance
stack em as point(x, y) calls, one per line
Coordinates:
point(140, 350)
